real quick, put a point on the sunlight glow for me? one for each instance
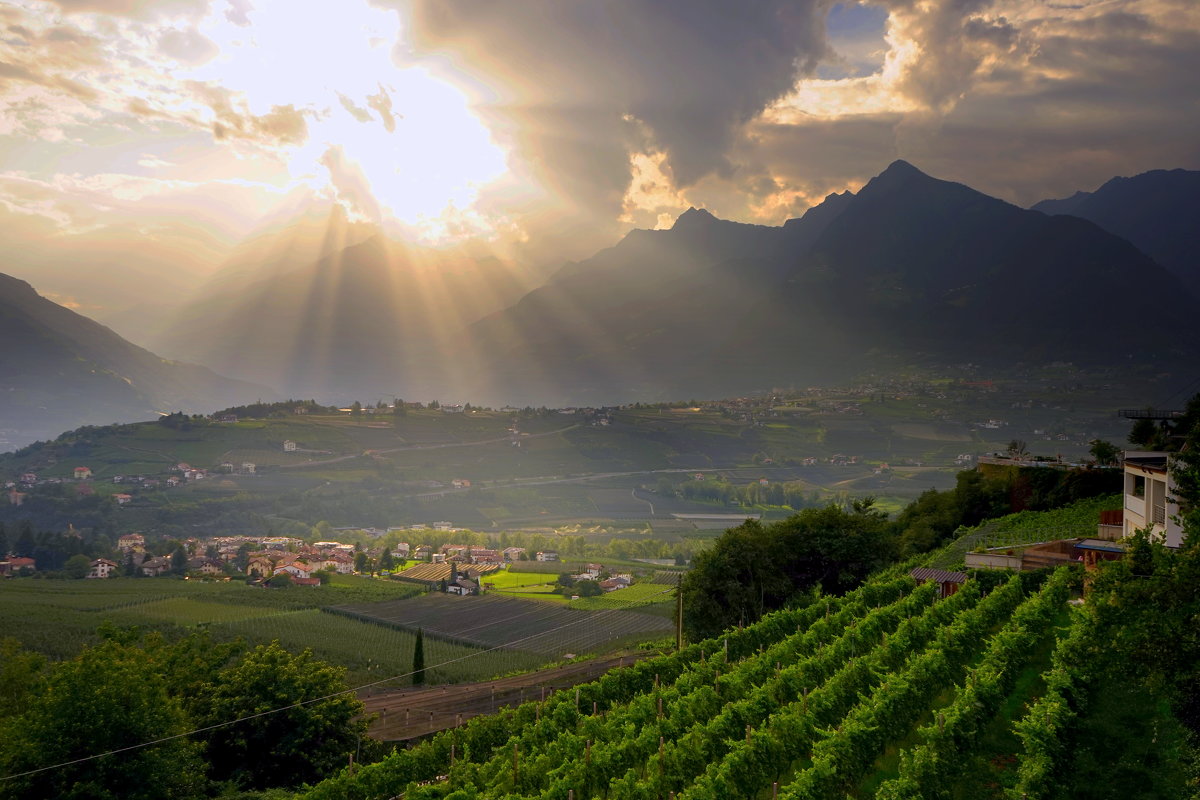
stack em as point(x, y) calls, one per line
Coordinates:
point(408, 140)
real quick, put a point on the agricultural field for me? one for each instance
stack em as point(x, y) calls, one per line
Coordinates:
point(548, 630)
point(441, 572)
point(58, 617)
point(887, 693)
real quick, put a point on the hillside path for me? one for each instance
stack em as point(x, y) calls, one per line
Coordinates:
point(405, 714)
point(437, 446)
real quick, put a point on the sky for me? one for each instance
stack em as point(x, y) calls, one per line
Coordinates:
point(147, 138)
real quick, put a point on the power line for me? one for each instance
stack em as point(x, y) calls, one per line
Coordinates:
point(301, 703)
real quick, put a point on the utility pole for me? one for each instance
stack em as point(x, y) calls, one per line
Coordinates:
point(678, 619)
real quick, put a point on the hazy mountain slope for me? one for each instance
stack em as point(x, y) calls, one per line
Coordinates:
point(1159, 211)
point(910, 269)
point(648, 317)
point(60, 370)
point(369, 321)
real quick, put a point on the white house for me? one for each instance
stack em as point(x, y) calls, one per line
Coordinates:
point(1149, 497)
point(297, 569)
point(102, 568)
point(546, 555)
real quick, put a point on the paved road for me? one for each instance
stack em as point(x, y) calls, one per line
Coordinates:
point(437, 446)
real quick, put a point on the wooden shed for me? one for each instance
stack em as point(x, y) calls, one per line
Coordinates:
point(949, 581)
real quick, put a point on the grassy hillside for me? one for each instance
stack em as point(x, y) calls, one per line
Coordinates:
point(549, 470)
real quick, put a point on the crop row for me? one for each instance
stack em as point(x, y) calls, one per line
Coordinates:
point(477, 740)
point(1044, 727)
point(927, 771)
point(704, 705)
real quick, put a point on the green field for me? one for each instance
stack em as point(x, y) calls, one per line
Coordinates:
point(68, 614)
point(57, 617)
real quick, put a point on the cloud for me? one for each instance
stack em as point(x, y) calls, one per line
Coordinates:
point(350, 184)
point(381, 104)
point(693, 71)
point(283, 124)
point(360, 114)
point(189, 47)
point(239, 12)
point(136, 9)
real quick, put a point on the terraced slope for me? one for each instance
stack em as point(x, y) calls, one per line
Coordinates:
point(807, 704)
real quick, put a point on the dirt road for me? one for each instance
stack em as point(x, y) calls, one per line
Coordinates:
point(410, 713)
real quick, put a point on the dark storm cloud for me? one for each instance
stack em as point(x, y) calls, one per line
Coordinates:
point(693, 71)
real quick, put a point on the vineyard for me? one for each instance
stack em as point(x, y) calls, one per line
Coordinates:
point(549, 630)
point(882, 693)
point(432, 573)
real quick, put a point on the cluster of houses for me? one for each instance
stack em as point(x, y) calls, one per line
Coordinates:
point(595, 572)
point(176, 475)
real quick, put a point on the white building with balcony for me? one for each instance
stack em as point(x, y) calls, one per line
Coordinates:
point(1149, 497)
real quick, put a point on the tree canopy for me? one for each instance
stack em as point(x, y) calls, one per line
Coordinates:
point(319, 728)
point(106, 699)
point(756, 568)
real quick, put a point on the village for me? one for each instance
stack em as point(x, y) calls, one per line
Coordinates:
point(277, 562)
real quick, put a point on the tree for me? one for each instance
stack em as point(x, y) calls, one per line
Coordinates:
point(77, 566)
point(755, 568)
point(399, 409)
point(25, 543)
point(106, 698)
point(241, 559)
point(319, 726)
point(356, 409)
point(1104, 453)
point(179, 560)
point(1144, 433)
point(386, 562)
point(418, 668)
point(362, 562)
point(1017, 449)
point(20, 674)
point(588, 589)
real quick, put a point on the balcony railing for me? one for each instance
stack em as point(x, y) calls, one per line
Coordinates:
point(1160, 515)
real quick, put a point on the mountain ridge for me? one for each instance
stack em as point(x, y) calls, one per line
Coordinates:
point(65, 370)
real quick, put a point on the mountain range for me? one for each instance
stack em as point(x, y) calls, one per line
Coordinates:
point(908, 271)
point(1157, 211)
point(60, 370)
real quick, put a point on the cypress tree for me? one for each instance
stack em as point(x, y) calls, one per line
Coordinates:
point(418, 668)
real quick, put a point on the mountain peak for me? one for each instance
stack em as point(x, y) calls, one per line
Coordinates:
point(901, 167)
point(692, 218)
point(898, 173)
